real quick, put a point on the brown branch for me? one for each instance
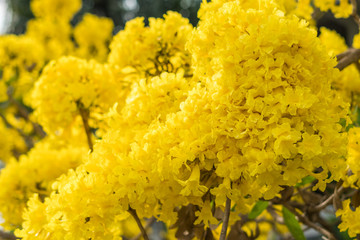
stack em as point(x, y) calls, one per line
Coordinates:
point(24, 113)
point(336, 199)
point(84, 113)
point(347, 58)
point(354, 12)
point(226, 219)
point(136, 217)
point(150, 222)
point(328, 201)
point(7, 236)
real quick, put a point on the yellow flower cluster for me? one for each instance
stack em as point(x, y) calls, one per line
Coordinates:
point(52, 35)
point(258, 114)
point(58, 9)
point(307, 8)
point(78, 85)
point(150, 99)
point(34, 173)
point(341, 8)
point(21, 59)
point(66, 85)
point(278, 82)
point(93, 44)
point(353, 158)
point(348, 83)
point(350, 219)
point(154, 49)
point(301, 8)
point(48, 37)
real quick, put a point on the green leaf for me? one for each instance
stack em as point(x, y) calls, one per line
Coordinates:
point(292, 224)
point(342, 122)
point(305, 180)
point(259, 207)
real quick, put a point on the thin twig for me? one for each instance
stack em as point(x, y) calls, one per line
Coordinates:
point(150, 222)
point(24, 113)
point(327, 225)
point(137, 219)
point(327, 202)
point(309, 223)
point(347, 58)
point(354, 12)
point(226, 219)
point(301, 193)
point(84, 113)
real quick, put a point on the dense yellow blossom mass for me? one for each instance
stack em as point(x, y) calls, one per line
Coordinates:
point(241, 108)
point(252, 122)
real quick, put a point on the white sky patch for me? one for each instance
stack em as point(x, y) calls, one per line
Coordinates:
point(129, 5)
point(1, 221)
point(5, 16)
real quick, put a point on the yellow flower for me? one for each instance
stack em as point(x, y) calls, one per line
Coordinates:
point(11, 144)
point(350, 219)
point(21, 59)
point(92, 36)
point(341, 10)
point(348, 83)
point(205, 215)
point(58, 9)
point(353, 157)
point(154, 49)
point(53, 35)
point(34, 173)
point(75, 83)
point(191, 185)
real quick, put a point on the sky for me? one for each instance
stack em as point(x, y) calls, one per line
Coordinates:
point(4, 16)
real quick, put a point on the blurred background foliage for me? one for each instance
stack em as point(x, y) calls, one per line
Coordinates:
point(120, 11)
